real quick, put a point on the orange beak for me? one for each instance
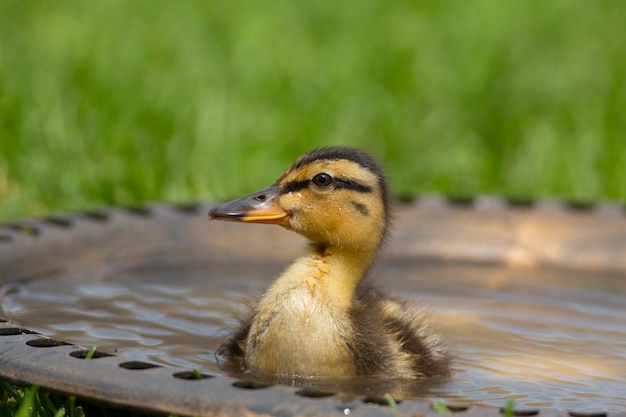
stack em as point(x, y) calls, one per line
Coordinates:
point(259, 207)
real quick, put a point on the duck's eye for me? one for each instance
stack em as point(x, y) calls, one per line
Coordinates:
point(322, 180)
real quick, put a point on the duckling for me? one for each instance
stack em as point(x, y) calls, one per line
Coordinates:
point(321, 317)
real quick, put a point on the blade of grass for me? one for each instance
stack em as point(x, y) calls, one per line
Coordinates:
point(27, 407)
point(441, 408)
point(90, 354)
point(509, 408)
point(395, 411)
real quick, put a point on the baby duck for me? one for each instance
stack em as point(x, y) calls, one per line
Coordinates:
point(320, 318)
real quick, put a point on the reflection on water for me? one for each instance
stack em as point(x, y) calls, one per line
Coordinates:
point(547, 338)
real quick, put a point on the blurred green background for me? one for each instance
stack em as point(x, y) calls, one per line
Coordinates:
point(119, 102)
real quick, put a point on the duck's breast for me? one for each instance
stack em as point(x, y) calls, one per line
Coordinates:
point(297, 331)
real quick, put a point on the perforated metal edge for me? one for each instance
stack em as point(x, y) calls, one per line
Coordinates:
point(484, 229)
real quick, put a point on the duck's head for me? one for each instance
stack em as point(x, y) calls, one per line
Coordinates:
point(334, 196)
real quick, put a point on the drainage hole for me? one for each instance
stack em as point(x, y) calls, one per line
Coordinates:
point(188, 208)
point(580, 205)
point(58, 221)
point(378, 399)
point(25, 229)
point(250, 385)
point(82, 354)
point(520, 202)
point(522, 411)
point(588, 413)
point(137, 365)
point(44, 343)
point(143, 211)
point(460, 200)
point(191, 375)
point(5, 238)
point(455, 408)
point(14, 331)
point(10, 331)
point(312, 393)
point(100, 216)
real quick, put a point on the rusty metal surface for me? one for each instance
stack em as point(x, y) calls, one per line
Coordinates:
point(479, 230)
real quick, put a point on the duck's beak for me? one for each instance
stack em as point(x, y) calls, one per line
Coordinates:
point(259, 207)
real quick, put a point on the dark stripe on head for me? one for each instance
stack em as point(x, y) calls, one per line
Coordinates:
point(355, 155)
point(337, 153)
point(360, 208)
point(295, 186)
point(352, 185)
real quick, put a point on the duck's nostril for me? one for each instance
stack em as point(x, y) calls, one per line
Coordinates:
point(261, 197)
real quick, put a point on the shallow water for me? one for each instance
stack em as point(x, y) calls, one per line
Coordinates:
point(547, 338)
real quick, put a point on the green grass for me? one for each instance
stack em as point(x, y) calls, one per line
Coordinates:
point(32, 402)
point(440, 408)
point(122, 102)
point(118, 103)
point(395, 411)
point(36, 402)
point(509, 408)
point(90, 354)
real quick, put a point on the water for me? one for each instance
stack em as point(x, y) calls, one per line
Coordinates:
point(547, 338)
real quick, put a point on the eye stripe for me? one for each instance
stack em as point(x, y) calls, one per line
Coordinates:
point(352, 185)
point(294, 186)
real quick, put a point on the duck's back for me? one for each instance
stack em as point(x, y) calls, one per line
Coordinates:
point(395, 339)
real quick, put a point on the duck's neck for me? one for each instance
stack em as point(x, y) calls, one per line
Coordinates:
point(328, 273)
point(303, 319)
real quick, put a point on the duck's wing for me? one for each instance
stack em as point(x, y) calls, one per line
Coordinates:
point(395, 338)
point(230, 353)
